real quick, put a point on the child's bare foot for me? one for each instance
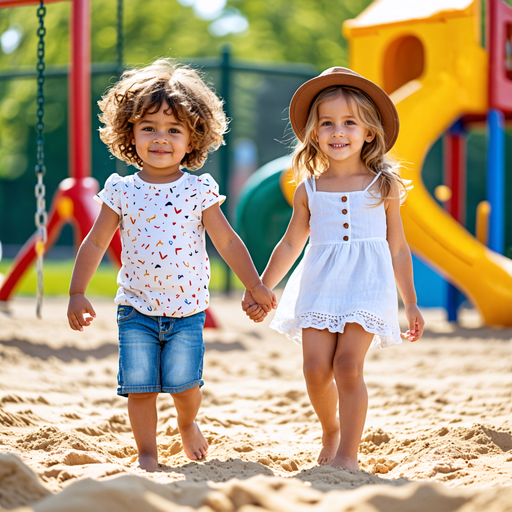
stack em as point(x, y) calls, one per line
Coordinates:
point(345, 462)
point(148, 463)
point(195, 445)
point(330, 442)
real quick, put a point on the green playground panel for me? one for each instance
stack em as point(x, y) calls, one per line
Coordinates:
point(263, 214)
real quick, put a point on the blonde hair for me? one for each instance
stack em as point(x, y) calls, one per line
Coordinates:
point(308, 160)
point(143, 90)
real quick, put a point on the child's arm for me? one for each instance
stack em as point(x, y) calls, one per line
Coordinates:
point(402, 265)
point(87, 260)
point(292, 243)
point(286, 251)
point(235, 254)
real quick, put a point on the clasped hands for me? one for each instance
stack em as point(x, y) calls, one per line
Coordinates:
point(258, 302)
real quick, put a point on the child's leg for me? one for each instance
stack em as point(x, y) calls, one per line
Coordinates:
point(143, 419)
point(182, 367)
point(139, 349)
point(318, 348)
point(348, 364)
point(187, 405)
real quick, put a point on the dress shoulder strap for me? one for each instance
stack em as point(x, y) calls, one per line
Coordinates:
point(310, 187)
point(373, 181)
point(311, 184)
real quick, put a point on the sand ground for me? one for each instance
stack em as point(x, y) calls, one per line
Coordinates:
point(438, 435)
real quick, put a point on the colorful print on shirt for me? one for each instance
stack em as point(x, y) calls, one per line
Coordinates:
point(165, 269)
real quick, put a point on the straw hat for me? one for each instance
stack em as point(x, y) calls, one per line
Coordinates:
point(306, 93)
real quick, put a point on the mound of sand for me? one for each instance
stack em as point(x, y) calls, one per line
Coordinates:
point(259, 493)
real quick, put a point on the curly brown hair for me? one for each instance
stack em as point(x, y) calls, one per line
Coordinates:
point(143, 90)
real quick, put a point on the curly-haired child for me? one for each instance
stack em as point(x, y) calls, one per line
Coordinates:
point(161, 118)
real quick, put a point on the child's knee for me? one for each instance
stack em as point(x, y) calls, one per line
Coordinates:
point(347, 372)
point(317, 374)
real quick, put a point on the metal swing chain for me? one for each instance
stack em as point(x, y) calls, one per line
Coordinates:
point(41, 217)
point(120, 34)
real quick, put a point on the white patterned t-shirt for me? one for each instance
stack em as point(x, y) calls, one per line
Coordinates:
point(165, 269)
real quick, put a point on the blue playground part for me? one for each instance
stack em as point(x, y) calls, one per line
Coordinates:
point(496, 179)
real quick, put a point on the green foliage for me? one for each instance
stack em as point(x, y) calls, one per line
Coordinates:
point(299, 31)
point(279, 30)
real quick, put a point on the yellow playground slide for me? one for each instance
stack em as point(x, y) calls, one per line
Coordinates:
point(483, 275)
point(428, 56)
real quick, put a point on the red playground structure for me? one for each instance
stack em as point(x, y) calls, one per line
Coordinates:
point(74, 199)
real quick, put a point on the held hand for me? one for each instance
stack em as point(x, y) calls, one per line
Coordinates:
point(252, 309)
point(274, 300)
point(416, 323)
point(264, 297)
point(77, 308)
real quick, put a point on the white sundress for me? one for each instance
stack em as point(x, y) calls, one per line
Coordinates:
point(346, 274)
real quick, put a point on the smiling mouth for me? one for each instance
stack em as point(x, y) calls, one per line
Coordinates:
point(159, 152)
point(338, 146)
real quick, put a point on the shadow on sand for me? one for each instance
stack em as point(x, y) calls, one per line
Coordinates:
point(322, 478)
point(68, 354)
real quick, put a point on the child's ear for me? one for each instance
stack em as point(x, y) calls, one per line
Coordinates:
point(370, 137)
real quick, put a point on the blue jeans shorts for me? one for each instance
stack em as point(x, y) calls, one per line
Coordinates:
point(158, 353)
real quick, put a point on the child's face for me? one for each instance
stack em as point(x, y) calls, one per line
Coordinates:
point(161, 142)
point(341, 135)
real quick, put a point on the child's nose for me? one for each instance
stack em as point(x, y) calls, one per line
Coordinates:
point(160, 138)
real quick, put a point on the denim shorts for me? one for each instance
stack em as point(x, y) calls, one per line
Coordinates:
point(159, 354)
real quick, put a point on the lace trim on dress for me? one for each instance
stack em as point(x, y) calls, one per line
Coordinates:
point(385, 334)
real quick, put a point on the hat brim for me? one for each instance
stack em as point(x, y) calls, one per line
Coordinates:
point(307, 92)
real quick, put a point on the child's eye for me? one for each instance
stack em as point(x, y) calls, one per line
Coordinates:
point(326, 123)
point(350, 122)
point(147, 129)
point(173, 130)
